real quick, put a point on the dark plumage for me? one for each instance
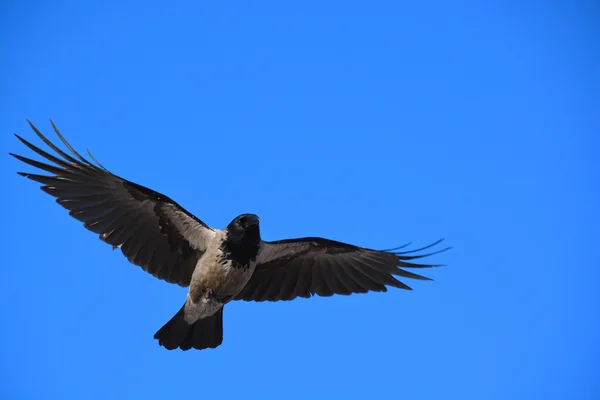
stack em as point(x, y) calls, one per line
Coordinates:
point(218, 265)
point(315, 266)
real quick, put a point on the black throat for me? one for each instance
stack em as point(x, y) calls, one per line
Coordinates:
point(241, 247)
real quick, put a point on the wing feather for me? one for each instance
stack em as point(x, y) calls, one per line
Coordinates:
point(153, 231)
point(305, 267)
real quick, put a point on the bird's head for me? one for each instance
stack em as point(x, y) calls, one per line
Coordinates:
point(244, 228)
point(243, 238)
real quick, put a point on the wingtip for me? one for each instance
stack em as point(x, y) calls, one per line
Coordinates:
point(20, 138)
point(438, 242)
point(95, 160)
point(398, 248)
point(444, 250)
point(405, 254)
point(54, 127)
point(438, 265)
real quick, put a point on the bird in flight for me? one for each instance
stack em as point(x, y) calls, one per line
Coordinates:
point(217, 265)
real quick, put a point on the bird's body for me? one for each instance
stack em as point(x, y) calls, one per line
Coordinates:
point(217, 265)
point(218, 277)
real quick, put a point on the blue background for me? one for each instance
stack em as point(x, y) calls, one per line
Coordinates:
point(376, 123)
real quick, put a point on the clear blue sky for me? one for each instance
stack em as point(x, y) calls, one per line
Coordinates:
point(375, 123)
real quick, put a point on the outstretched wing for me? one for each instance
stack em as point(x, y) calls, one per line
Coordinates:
point(152, 230)
point(305, 267)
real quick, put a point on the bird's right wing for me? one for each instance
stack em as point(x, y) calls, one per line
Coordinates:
point(152, 230)
point(305, 267)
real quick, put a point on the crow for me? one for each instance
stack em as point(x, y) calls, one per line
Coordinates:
point(217, 265)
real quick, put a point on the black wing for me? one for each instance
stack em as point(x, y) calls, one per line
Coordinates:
point(305, 267)
point(152, 230)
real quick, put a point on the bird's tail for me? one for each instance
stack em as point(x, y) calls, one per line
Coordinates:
point(202, 334)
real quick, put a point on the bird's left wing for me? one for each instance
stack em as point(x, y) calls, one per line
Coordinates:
point(305, 267)
point(152, 230)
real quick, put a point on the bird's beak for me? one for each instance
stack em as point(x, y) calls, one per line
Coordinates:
point(253, 220)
